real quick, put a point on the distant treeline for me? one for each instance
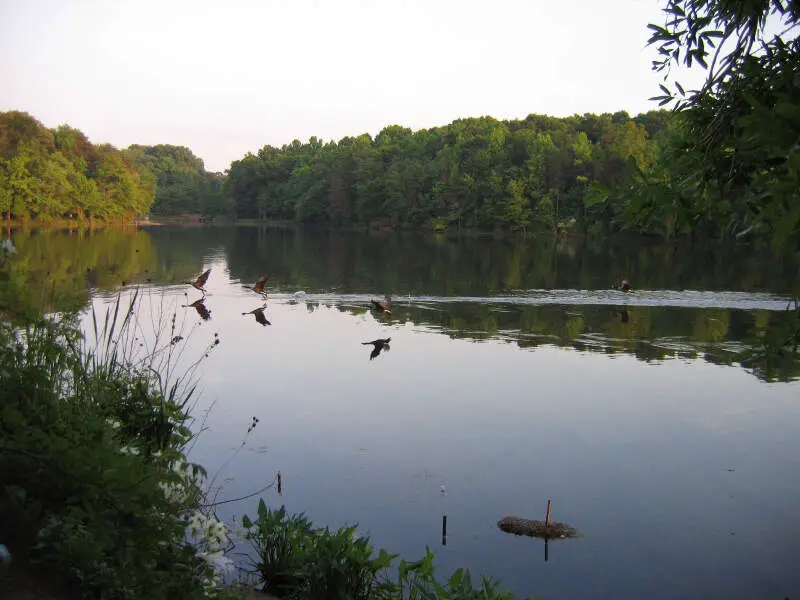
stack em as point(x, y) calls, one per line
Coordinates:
point(182, 183)
point(473, 173)
point(477, 173)
point(598, 173)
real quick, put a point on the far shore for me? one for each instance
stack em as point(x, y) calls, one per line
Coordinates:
point(194, 220)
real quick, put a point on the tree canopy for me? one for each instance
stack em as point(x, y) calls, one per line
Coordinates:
point(724, 162)
point(53, 174)
point(479, 173)
point(182, 183)
point(733, 163)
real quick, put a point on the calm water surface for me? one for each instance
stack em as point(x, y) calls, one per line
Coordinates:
point(515, 375)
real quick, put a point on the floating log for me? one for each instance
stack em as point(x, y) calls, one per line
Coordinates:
point(540, 529)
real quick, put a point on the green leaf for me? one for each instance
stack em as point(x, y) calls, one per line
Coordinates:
point(658, 29)
point(675, 9)
point(699, 56)
point(789, 111)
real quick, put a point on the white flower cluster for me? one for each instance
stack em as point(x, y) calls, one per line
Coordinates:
point(206, 532)
point(207, 529)
point(178, 492)
point(8, 246)
point(210, 537)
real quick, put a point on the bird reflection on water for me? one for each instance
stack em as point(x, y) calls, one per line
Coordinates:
point(258, 313)
point(201, 309)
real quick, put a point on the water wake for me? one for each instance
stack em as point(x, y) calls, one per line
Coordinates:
point(658, 298)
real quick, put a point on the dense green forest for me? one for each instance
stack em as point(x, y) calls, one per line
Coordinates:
point(58, 174)
point(182, 183)
point(722, 162)
point(476, 173)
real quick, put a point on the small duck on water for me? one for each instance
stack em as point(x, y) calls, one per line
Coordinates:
point(625, 286)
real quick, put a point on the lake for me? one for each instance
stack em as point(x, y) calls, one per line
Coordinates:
point(516, 374)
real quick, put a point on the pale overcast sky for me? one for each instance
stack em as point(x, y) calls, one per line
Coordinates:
point(229, 76)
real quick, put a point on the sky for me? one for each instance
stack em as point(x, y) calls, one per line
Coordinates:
point(227, 78)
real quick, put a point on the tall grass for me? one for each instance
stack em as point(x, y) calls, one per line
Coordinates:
point(95, 485)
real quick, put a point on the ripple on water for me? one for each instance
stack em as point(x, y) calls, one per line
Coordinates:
point(665, 298)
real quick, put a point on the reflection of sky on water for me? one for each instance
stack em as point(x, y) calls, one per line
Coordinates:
point(680, 474)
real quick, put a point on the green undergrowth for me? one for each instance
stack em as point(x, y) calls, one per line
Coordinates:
point(96, 490)
point(295, 560)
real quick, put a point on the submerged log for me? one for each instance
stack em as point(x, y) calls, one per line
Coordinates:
point(539, 529)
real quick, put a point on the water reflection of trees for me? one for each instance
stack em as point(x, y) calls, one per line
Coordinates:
point(720, 336)
point(476, 265)
point(55, 271)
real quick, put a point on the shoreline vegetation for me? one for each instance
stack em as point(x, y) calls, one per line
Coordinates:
point(722, 164)
point(593, 174)
point(588, 174)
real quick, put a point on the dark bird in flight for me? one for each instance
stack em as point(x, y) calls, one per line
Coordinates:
point(382, 306)
point(201, 309)
point(625, 286)
point(258, 313)
point(258, 288)
point(378, 346)
point(201, 281)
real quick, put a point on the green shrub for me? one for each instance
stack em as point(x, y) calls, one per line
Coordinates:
point(280, 542)
point(294, 560)
point(341, 565)
point(95, 485)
